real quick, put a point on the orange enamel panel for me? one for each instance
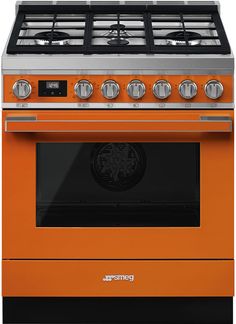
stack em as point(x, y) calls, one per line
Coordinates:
point(137, 278)
point(114, 126)
point(212, 240)
point(122, 80)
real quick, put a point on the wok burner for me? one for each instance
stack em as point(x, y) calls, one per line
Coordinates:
point(178, 38)
point(56, 37)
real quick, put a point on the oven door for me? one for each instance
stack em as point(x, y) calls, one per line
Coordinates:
point(118, 185)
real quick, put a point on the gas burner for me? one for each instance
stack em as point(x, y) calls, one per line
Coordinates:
point(118, 35)
point(58, 38)
point(131, 30)
point(177, 38)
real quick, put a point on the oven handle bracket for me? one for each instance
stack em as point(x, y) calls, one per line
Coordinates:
point(205, 124)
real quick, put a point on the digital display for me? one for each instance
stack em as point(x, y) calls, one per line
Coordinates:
point(52, 88)
point(52, 84)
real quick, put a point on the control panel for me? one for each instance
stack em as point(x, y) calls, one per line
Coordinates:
point(119, 89)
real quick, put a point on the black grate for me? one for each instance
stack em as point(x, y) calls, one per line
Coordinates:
point(105, 29)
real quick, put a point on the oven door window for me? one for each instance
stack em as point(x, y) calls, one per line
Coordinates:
point(118, 184)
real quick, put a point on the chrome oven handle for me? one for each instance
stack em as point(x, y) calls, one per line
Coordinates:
point(205, 124)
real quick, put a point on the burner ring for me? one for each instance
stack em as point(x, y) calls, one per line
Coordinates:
point(59, 38)
point(177, 38)
point(116, 42)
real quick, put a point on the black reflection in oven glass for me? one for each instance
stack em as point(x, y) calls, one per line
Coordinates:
point(118, 166)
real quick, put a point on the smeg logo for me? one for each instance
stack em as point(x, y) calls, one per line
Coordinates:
point(118, 277)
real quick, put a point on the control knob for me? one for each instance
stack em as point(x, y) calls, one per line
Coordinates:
point(188, 89)
point(22, 89)
point(161, 89)
point(214, 89)
point(83, 89)
point(136, 89)
point(110, 89)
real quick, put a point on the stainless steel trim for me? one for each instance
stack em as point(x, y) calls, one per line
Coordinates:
point(34, 119)
point(27, 84)
point(77, 86)
point(189, 83)
point(219, 84)
point(18, 3)
point(167, 84)
point(129, 89)
point(158, 73)
point(119, 2)
point(21, 118)
point(114, 105)
point(216, 118)
point(209, 119)
point(116, 85)
point(114, 62)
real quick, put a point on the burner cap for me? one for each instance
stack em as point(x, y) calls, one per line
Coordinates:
point(115, 41)
point(177, 38)
point(117, 26)
point(117, 35)
point(58, 38)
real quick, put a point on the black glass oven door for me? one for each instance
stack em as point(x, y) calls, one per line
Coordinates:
point(118, 185)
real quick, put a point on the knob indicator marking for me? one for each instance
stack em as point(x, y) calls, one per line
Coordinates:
point(214, 89)
point(110, 89)
point(136, 89)
point(188, 89)
point(83, 89)
point(22, 89)
point(161, 89)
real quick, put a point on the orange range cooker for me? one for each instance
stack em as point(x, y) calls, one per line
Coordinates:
point(118, 162)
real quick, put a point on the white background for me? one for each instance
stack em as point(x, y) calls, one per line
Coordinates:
point(7, 14)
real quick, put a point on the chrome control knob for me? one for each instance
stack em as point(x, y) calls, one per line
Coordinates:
point(22, 89)
point(214, 89)
point(83, 89)
point(136, 89)
point(161, 89)
point(188, 89)
point(110, 89)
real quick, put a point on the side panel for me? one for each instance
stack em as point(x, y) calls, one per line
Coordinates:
point(117, 278)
